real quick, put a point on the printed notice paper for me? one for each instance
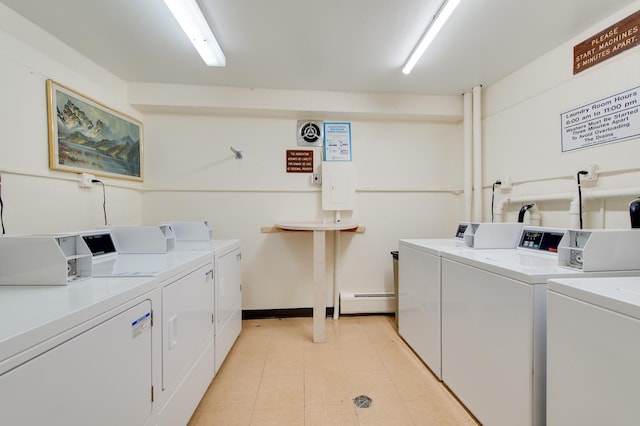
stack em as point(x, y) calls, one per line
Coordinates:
point(608, 120)
point(337, 141)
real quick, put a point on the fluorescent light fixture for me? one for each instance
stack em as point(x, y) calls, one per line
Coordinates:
point(436, 25)
point(195, 26)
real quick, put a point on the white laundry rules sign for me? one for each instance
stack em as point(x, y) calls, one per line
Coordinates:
point(607, 120)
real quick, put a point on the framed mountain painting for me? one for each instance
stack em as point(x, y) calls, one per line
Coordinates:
point(86, 136)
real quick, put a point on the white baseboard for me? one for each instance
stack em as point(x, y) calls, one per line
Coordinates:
point(367, 302)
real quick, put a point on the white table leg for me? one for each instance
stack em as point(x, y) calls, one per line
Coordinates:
point(319, 287)
point(337, 269)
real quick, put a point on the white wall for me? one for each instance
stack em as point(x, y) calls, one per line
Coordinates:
point(37, 199)
point(521, 130)
point(409, 177)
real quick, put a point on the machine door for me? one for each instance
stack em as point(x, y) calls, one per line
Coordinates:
point(592, 359)
point(487, 343)
point(228, 280)
point(187, 321)
point(99, 377)
point(419, 304)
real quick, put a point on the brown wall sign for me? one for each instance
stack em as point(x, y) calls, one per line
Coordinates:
point(619, 37)
point(299, 161)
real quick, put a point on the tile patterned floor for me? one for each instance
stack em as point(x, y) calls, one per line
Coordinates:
point(275, 375)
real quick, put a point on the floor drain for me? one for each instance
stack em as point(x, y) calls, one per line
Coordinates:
point(362, 401)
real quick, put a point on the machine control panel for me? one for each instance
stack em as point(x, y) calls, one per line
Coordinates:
point(460, 230)
point(600, 250)
point(492, 235)
point(99, 243)
point(547, 241)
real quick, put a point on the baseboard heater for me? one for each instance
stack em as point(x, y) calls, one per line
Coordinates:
point(367, 302)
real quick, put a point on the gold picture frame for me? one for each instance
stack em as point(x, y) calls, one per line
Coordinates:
point(86, 136)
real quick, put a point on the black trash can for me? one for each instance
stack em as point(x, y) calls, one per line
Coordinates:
point(395, 256)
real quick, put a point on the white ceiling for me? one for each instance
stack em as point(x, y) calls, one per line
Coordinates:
point(342, 45)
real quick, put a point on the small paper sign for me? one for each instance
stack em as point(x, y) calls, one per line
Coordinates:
point(299, 161)
point(337, 141)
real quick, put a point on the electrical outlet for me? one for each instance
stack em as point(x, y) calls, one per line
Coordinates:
point(592, 172)
point(506, 183)
point(84, 180)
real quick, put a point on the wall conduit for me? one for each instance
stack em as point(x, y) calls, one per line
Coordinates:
point(468, 155)
point(574, 209)
point(477, 153)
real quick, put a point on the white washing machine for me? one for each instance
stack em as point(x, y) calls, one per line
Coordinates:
point(494, 323)
point(419, 295)
point(593, 351)
point(419, 288)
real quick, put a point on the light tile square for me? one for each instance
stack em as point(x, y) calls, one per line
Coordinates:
point(385, 413)
point(377, 385)
point(331, 415)
point(284, 364)
point(278, 416)
point(280, 392)
point(228, 414)
point(229, 389)
point(322, 390)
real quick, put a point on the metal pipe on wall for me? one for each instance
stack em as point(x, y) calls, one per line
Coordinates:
point(468, 154)
point(477, 153)
point(497, 213)
point(597, 194)
point(574, 210)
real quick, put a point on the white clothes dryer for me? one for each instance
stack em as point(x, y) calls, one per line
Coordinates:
point(227, 259)
point(593, 346)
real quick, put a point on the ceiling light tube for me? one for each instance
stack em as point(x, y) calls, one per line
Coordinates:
point(436, 25)
point(195, 26)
